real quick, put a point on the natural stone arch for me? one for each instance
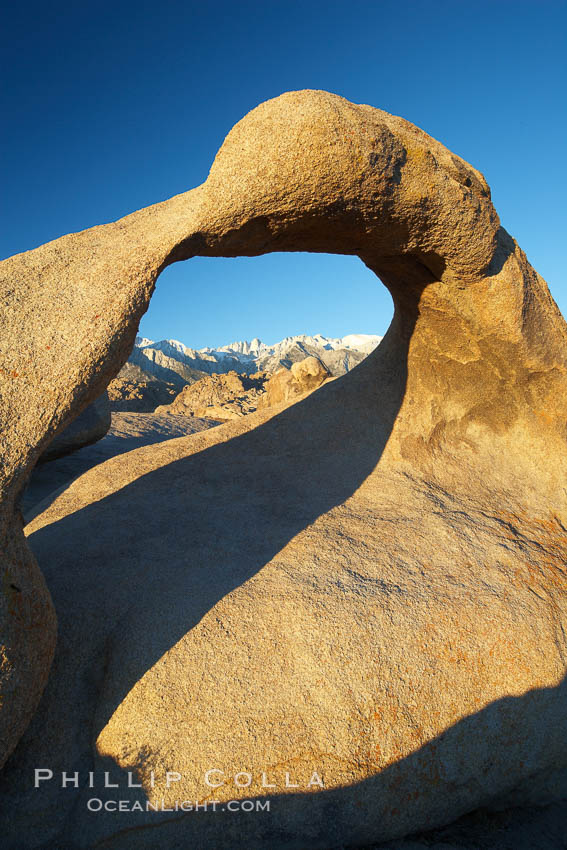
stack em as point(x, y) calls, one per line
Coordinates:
point(306, 171)
point(473, 366)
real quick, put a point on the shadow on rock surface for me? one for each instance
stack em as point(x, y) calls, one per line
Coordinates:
point(127, 432)
point(329, 819)
point(226, 512)
point(229, 509)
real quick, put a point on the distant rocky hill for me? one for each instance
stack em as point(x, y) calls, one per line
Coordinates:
point(173, 362)
point(230, 396)
point(140, 394)
point(221, 397)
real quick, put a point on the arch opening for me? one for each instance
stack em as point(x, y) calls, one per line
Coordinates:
point(295, 305)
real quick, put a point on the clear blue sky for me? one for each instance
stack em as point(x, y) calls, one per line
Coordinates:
point(110, 106)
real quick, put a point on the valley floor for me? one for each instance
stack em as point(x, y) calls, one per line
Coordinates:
point(128, 431)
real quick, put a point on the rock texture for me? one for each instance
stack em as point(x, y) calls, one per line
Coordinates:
point(368, 584)
point(221, 397)
point(289, 384)
point(128, 431)
point(231, 396)
point(128, 395)
point(526, 828)
point(89, 427)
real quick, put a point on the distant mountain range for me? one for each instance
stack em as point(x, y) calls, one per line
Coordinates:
point(172, 361)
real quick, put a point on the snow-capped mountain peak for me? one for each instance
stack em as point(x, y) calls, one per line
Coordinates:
point(247, 348)
point(356, 342)
point(172, 360)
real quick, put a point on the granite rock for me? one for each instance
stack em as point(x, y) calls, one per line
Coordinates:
point(367, 585)
point(90, 426)
point(288, 384)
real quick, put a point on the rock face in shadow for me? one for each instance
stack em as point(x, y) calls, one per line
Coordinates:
point(89, 427)
point(368, 585)
point(129, 430)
